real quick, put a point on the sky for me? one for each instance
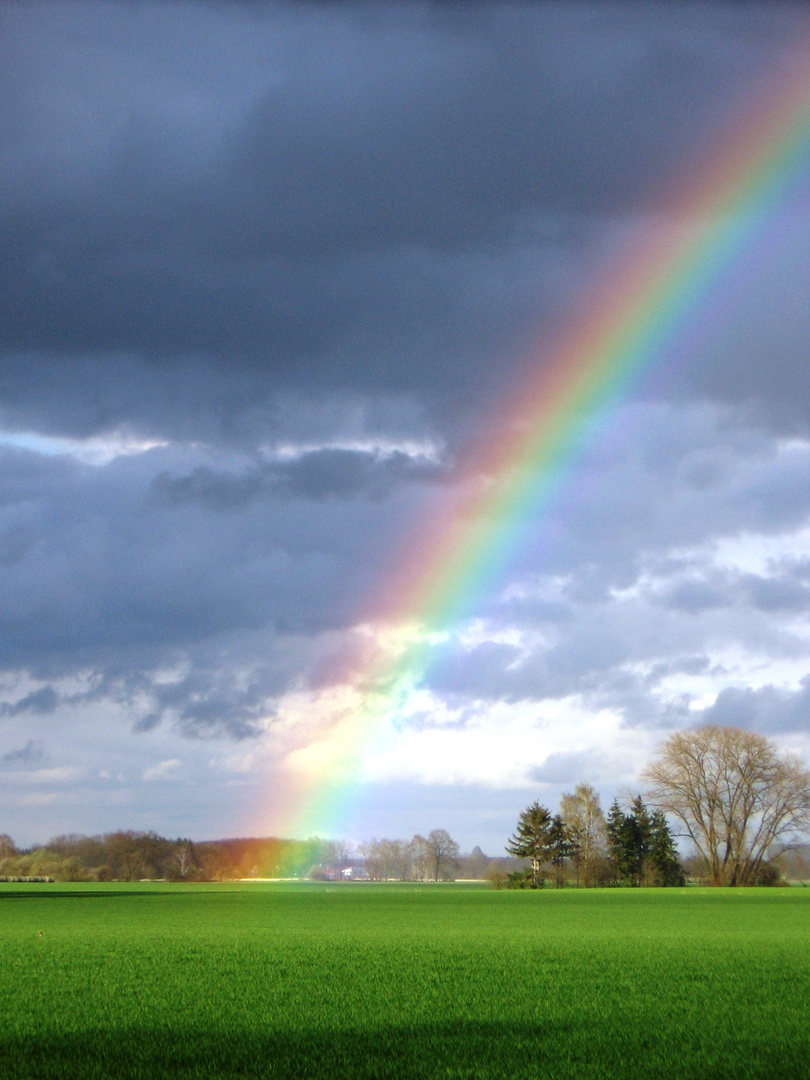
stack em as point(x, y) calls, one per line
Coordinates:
point(270, 272)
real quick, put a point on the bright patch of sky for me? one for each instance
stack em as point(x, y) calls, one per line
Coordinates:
point(95, 450)
point(423, 449)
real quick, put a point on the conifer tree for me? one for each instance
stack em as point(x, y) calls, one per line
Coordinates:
point(629, 840)
point(641, 846)
point(616, 840)
point(559, 847)
point(666, 867)
point(532, 838)
point(639, 839)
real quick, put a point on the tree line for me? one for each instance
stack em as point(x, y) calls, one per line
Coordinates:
point(435, 857)
point(740, 804)
point(131, 855)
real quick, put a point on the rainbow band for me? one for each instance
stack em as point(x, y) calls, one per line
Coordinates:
point(630, 316)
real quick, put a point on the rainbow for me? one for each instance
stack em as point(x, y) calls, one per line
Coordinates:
point(573, 383)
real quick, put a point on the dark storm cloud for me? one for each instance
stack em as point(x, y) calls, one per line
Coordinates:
point(230, 227)
point(315, 475)
point(124, 564)
point(151, 562)
point(311, 194)
point(441, 141)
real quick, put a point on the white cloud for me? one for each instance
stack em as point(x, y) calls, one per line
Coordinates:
point(420, 449)
point(60, 774)
point(164, 770)
point(94, 450)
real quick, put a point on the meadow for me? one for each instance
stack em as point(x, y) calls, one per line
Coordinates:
point(395, 981)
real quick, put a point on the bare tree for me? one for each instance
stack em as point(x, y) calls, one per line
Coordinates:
point(386, 859)
point(419, 858)
point(333, 857)
point(740, 800)
point(436, 854)
point(373, 852)
point(341, 853)
point(183, 856)
point(401, 854)
point(585, 822)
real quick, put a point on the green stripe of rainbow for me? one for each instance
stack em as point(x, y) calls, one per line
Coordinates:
point(629, 317)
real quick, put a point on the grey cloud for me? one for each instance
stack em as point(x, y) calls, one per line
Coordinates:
point(567, 768)
point(148, 557)
point(316, 475)
point(147, 723)
point(768, 709)
point(695, 593)
point(212, 704)
point(617, 651)
point(221, 688)
point(798, 569)
point(633, 504)
point(643, 710)
point(695, 596)
point(315, 207)
point(15, 544)
point(365, 215)
point(113, 568)
point(31, 754)
point(234, 230)
point(686, 665)
point(777, 593)
point(478, 672)
point(39, 702)
point(584, 659)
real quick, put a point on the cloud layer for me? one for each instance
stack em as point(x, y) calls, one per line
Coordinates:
point(268, 271)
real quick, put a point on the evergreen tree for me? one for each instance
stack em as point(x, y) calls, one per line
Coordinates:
point(616, 840)
point(532, 838)
point(629, 841)
point(663, 856)
point(640, 836)
point(641, 846)
point(559, 847)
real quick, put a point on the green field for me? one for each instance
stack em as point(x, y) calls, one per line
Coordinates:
point(384, 981)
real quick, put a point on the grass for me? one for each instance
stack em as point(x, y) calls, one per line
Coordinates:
point(402, 981)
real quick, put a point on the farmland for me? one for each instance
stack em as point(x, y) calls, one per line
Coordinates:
point(365, 981)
